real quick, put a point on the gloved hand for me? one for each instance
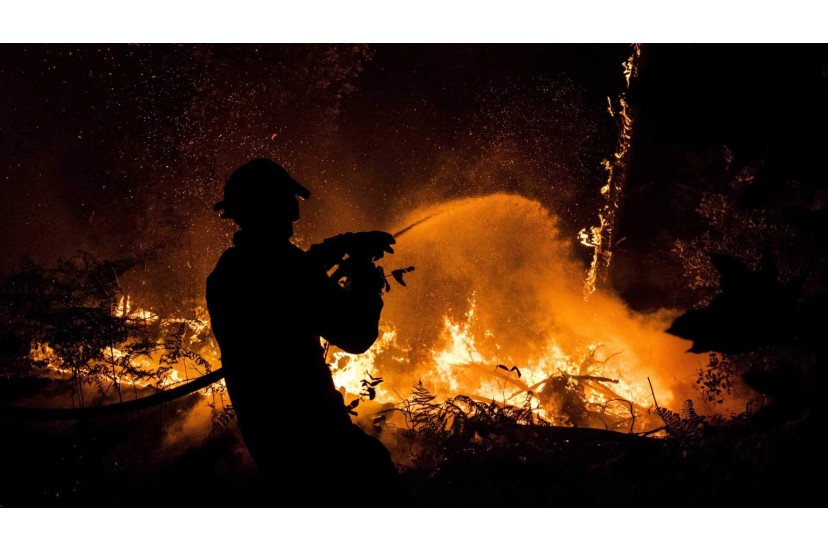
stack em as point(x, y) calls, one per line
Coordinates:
point(373, 245)
point(332, 250)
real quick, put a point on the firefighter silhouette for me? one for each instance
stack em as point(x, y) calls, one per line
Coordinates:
point(269, 303)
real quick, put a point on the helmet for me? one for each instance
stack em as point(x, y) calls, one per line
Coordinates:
point(258, 182)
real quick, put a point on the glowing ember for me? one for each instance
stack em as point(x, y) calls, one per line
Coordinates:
point(44, 355)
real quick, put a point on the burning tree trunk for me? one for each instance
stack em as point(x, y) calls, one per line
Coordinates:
point(600, 238)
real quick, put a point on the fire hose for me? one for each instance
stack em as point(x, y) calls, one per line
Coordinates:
point(167, 395)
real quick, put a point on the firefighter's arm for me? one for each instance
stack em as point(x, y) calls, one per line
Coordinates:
point(331, 251)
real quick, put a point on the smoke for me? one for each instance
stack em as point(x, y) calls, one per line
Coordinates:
point(504, 256)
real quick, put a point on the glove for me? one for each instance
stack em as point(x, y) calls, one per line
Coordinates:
point(331, 251)
point(373, 245)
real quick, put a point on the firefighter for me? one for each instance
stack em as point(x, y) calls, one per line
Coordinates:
point(269, 303)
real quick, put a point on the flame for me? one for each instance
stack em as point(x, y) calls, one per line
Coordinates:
point(457, 366)
point(599, 238)
point(348, 371)
point(43, 354)
point(124, 309)
point(198, 330)
point(459, 356)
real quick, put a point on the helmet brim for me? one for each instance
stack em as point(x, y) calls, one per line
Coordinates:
point(299, 190)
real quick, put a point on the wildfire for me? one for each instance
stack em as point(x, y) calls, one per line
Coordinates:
point(545, 383)
point(499, 319)
point(116, 365)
